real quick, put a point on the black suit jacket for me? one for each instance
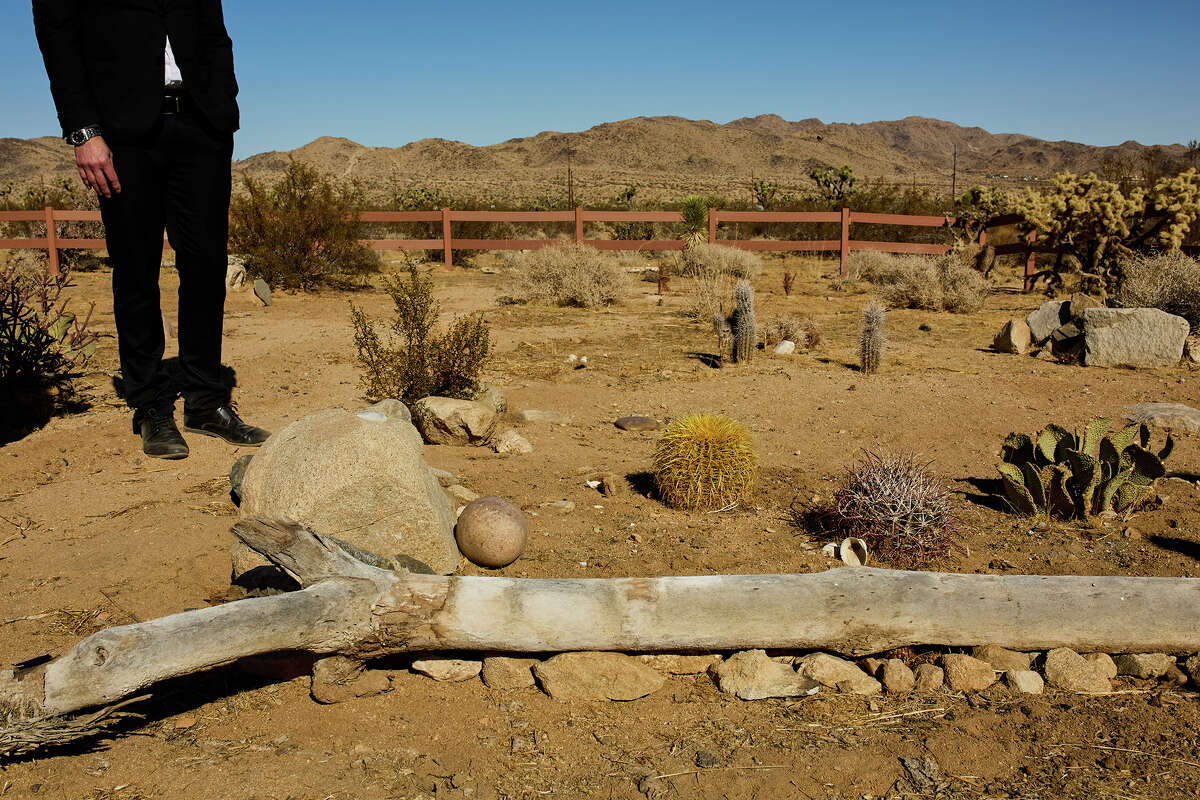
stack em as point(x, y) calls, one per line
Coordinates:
point(105, 61)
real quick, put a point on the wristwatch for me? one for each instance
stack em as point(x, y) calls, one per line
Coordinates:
point(82, 135)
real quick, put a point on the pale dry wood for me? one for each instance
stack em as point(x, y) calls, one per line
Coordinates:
point(361, 612)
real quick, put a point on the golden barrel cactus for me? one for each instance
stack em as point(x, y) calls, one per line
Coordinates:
point(704, 462)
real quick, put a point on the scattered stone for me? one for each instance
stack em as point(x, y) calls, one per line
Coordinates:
point(1174, 676)
point(1013, 337)
point(706, 760)
point(491, 396)
point(446, 479)
point(836, 672)
point(1002, 659)
point(897, 677)
point(1172, 416)
point(1067, 341)
point(235, 272)
point(461, 494)
point(1046, 318)
point(1066, 669)
point(1192, 668)
point(502, 672)
point(680, 663)
point(785, 348)
point(1191, 349)
point(1137, 337)
point(1144, 665)
point(450, 670)
point(872, 666)
point(751, 675)
point(1103, 663)
point(363, 480)
point(638, 423)
point(336, 679)
point(448, 420)
point(551, 417)
point(512, 442)
point(1025, 681)
point(491, 532)
point(929, 676)
point(596, 676)
point(1081, 302)
point(923, 774)
point(612, 484)
point(262, 291)
point(237, 474)
point(561, 506)
point(967, 674)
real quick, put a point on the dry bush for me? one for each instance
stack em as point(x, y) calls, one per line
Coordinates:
point(1168, 281)
point(714, 268)
point(803, 333)
point(572, 275)
point(941, 283)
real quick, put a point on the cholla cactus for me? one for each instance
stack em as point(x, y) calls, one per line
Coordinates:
point(872, 339)
point(741, 322)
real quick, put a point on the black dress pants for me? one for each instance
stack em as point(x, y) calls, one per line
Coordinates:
point(176, 178)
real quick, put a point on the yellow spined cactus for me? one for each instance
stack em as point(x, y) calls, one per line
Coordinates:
point(704, 462)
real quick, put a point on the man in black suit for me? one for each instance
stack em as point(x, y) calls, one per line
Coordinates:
point(145, 91)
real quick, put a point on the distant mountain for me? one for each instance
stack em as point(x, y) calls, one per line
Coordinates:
point(664, 157)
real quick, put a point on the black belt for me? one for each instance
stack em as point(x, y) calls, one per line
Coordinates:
point(175, 103)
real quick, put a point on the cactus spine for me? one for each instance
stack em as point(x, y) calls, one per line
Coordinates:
point(745, 331)
point(872, 340)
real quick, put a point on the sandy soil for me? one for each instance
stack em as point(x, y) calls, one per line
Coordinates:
point(94, 534)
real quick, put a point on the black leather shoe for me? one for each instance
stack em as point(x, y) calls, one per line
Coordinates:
point(224, 423)
point(160, 437)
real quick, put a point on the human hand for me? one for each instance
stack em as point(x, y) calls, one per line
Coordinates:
point(95, 163)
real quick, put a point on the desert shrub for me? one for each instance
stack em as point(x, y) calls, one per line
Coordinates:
point(803, 333)
point(572, 274)
point(704, 462)
point(941, 283)
point(897, 506)
point(43, 346)
point(1075, 475)
point(419, 362)
point(1170, 281)
point(296, 233)
point(714, 268)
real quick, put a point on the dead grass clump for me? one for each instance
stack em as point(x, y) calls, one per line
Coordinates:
point(714, 268)
point(1168, 281)
point(803, 333)
point(941, 283)
point(571, 275)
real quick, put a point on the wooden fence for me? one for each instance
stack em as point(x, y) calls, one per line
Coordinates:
point(447, 243)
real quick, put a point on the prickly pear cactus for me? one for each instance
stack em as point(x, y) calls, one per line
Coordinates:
point(745, 330)
point(872, 339)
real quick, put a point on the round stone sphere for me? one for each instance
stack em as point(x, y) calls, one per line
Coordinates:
point(491, 532)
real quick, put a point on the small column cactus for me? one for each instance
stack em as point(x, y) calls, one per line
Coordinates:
point(745, 330)
point(872, 339)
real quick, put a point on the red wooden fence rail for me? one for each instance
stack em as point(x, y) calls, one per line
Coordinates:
point(447, 243)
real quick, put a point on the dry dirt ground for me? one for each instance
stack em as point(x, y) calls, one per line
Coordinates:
point(93, 534)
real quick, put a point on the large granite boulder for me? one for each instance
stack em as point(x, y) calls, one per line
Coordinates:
point(359, 477)
point(1136, 337)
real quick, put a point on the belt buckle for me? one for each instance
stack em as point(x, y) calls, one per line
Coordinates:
point(172, 104)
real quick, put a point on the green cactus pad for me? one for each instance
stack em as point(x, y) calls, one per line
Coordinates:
point(1093, 432)
point(1018, 448)
point(1049, 440)
point(1034, 486)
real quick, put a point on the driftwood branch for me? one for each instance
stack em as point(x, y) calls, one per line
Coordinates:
point(362, 612)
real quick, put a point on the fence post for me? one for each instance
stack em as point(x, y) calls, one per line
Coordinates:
point(51, 240)
point(1030, 261)
point(446, 235)
point(845, 242)
point(578, 225)
point(712, 225)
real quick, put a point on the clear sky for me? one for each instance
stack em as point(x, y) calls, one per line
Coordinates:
point(386, 73)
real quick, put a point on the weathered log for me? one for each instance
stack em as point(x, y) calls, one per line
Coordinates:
point(361, 612)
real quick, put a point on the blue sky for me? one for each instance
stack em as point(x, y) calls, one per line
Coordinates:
point(387, 73)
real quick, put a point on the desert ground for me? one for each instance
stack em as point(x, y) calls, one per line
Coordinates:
point(93, 534)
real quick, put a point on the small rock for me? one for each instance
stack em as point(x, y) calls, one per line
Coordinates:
point(967, 674)
point(262, 291)
point(1192, 668)
point(680, 663)
point(1001, 658)
point(236, 474)
point(512, 442)
point(785, 348)
point(235, 273)
point(1191, 349)
point(551, 417)
point(1144, 665)
point(1081, 302)
point(705, 759)
point(448, 669)
point(1174, 676)
point(491, 532)
point(561, 506)
point(461, 494)
point(638, 423)
point(872, 666)
point(1013, 337)
point(1025, 681)
point(1046, 318)
point(1066, 669)
point(897, 677)
point(751, 675)
point(446, 479)
point(929, 676)
point(596, 676)
point(1103, 663)
point(448, 420)
point(502, 672)
point(612, 484)
point(491, 396)
point(1172, 416)
point(836, 672)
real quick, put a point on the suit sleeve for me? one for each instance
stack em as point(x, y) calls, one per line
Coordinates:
point(215, 40)
point(56, 23)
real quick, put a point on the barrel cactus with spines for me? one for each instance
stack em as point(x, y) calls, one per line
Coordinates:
point(742, 322)
point(704, 462)
point(1078, 475)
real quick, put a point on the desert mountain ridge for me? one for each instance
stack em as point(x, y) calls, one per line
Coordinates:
point(665, 157)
